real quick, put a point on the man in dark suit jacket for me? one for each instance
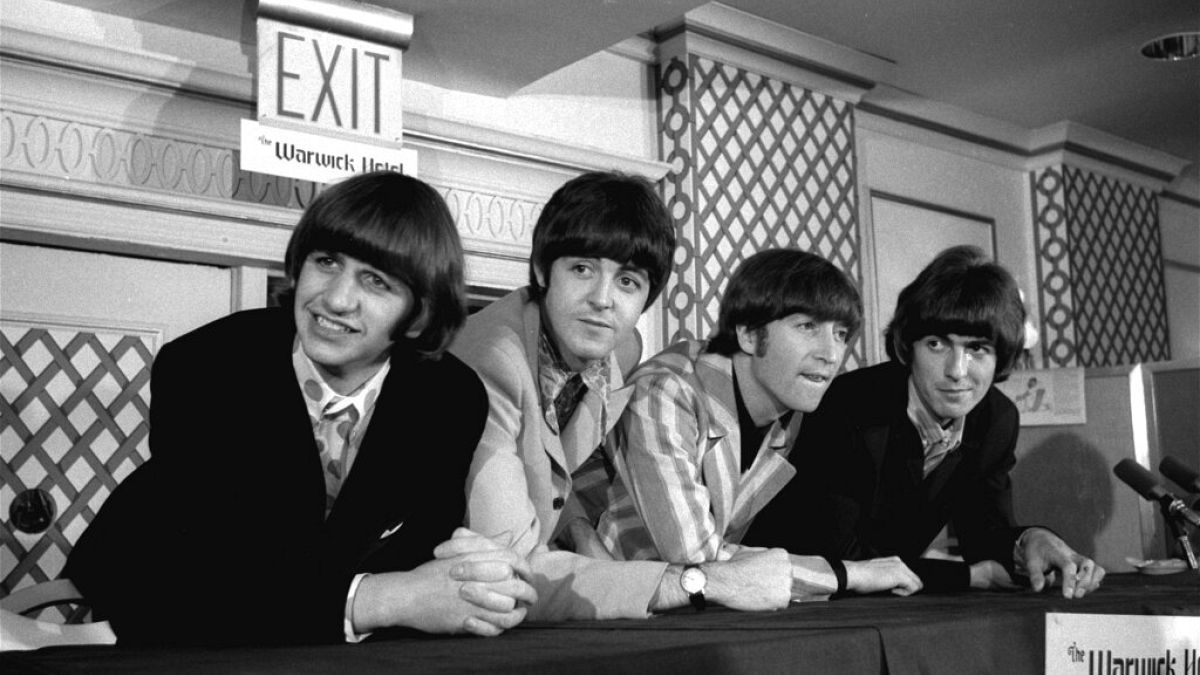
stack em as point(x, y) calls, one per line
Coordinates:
point(306, 461)
point(897, 450)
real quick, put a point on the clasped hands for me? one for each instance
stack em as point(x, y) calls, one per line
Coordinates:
point(474, 584)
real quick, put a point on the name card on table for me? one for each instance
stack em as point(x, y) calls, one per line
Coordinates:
point(1113, 644)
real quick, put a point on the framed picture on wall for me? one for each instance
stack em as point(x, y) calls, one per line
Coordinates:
point(908, 234)
point(1047, 397)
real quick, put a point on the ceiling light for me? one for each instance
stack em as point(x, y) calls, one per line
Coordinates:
point(1176, 47)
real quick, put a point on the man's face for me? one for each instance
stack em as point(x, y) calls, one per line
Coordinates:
point(592, 304)
point(952, 373)
point(346, 312)
point(792, 361)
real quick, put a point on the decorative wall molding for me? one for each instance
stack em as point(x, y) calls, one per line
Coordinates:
point(742, 39)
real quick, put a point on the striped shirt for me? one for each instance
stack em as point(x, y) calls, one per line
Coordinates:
point(680, 493)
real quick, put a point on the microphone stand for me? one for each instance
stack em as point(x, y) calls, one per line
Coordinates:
point(1175, 519)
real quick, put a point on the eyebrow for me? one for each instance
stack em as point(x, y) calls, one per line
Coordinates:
point(636, 269)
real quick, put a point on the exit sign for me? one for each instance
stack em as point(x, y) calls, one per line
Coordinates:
point(323, 80)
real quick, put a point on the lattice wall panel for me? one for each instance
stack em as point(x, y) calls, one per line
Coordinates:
point(755, 163)
point(1057, 315)
point(1116, 258)
point(74, 406)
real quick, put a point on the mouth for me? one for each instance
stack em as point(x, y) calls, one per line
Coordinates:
point(330, 325)
point(816, 378)
point(596, 323)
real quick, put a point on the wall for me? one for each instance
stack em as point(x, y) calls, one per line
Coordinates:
point(900, 161)
point(1179, 215)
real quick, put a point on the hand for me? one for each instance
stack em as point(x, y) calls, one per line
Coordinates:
point(881, 574)
point(751, 580)
point(991, 575)
point(481, 589)
point(584, 540)
point(1044, 553)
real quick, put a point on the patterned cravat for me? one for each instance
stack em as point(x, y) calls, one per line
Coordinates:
point(338, 421)
point(561, 389)
point(938, 441)
point(332, 433)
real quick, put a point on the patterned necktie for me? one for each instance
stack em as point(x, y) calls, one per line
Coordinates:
point(333, 435)
point(568, 399)
point(934, 456)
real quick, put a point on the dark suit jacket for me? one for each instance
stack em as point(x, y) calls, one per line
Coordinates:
point(859, 492)
point(222, 537)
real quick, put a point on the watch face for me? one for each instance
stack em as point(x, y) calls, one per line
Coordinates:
point(693, 580)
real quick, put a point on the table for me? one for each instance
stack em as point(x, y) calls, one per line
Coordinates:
point(975, 632)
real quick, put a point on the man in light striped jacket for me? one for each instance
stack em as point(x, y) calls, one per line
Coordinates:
point(702, 445)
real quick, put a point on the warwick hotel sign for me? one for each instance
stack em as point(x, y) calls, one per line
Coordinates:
point(329, 91)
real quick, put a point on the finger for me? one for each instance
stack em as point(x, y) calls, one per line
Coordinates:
point(465, 544)
point(1088, 578)
point(1069, 574)
point(519, 590)
point(482, 596)
point(501, 621)
point(482, 570)
point(480, 627)
point(1037, 579)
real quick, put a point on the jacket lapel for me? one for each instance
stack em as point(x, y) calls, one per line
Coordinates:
point(375, 495)
point(766, 477)
point(721, 464)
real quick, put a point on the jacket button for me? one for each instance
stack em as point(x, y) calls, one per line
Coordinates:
point(557, 503)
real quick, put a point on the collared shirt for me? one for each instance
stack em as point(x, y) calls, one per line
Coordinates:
point(557, 381)
point(937, 440)
point(752, 434)
point(323, 404)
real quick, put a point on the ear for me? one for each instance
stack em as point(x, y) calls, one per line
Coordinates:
point(747, 339)
point(540, 276)
point(418, 324)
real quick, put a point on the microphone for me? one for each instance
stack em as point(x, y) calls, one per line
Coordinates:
point(1181, 474)
point(1143, 482)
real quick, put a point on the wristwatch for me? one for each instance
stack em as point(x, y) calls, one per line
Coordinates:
point(693, 580)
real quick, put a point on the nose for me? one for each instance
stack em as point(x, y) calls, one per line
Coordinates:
point(340, 294)
point(600, 294)
point(956, 363)
point(828, 348)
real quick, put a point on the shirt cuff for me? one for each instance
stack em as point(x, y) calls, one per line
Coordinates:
point(348, 615)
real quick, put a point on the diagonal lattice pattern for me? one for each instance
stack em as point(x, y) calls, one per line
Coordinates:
point(74, 408)
point(1116, 256)
point(755, 163)
point(1057, 315)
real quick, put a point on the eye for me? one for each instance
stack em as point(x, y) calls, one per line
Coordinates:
point(376, 282)
point(322, 260)
point(934, 344)
point(581, 268)
point(841, 334)
point(629, 282)
point(982, 348)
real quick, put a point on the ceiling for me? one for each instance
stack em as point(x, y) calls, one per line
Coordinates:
point(1032, 63)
